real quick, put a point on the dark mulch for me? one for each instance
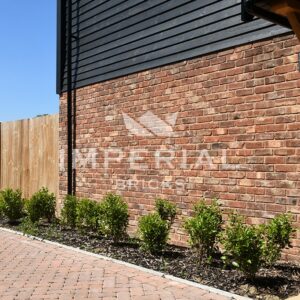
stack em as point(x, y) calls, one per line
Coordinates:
point(278, 282)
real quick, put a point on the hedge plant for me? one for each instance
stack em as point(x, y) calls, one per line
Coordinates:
point(166, 210)
point(29, 227)
point(41, 206)
point(12, 204)
point(277, 236)
point(249, 247)
point(243, 245)
point(88, 214)
point(115, 216)
point(69, 211)
point(153, 232)
point(204, 229)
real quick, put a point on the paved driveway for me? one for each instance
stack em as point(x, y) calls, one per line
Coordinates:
point(30, 269)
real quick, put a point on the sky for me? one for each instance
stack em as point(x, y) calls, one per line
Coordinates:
point(27, 59)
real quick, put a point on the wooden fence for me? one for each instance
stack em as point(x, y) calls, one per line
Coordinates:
point(29, 154)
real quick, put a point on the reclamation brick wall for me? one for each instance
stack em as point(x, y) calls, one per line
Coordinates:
point(239, 107)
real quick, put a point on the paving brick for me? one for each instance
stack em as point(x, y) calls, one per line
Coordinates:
point(52, 272)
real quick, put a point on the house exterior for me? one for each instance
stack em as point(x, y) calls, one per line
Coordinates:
point(181, 100)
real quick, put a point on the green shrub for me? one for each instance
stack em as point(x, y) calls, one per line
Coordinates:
point(115, 216)
point(166, 210)
point(154, 232)
point(277, 236)
point(243, 245)
point(29, 227)
point(1, 205)
point(12, 204)
point(69, 211)
point(41, 205)
point(88, 214)
point(204, 228)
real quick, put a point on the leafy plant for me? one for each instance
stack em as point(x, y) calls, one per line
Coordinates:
point(69, 211)
point(243, 245)
point(88, 214)
point(277, 236)
point(12, 204)
point(41, 205)
point(1, 205)
point(204, 228)
point(52, 232)
point(29, 227)
point(115, 216)
point(153, 231)
point(166, 210)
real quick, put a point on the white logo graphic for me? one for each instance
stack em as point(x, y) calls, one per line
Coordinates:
point(151, 125)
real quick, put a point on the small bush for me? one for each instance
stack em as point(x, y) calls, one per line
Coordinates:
point(243, 245)
point(88, 214)
point(12, 204)
point(153, 233)
point(166, 210)
point(69, 211)
point(277, 236)
point(29, 227)
point(204, 228)
point(41, 205)
point(115, 216)
point(1, 205)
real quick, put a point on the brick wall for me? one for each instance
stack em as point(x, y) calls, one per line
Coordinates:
point(236, 136)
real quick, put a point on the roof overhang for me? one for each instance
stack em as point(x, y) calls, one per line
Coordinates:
point(282, 12)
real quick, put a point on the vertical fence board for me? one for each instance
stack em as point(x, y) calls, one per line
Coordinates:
point(29, 154)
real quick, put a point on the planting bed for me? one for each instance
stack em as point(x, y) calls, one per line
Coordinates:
point(278, 282)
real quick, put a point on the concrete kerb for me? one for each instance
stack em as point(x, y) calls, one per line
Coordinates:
point(120, 262)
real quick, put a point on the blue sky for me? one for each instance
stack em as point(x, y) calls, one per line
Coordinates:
point(27, 59)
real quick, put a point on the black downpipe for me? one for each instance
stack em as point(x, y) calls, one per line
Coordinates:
point(76, 39)
point(61, 44)
point(69, 99)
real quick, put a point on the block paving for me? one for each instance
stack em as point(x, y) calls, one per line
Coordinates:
point(32, 269)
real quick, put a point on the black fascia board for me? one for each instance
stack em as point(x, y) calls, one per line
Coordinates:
point(257, 8)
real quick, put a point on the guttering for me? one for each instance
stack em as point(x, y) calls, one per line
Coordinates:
point(69, 98)
point(251, 9)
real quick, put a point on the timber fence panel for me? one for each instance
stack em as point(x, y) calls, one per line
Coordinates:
point(29, 156)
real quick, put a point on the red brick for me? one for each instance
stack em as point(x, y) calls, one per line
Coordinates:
point(285, 69)
point(286, 168)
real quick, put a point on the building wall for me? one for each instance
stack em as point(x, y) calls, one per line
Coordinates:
point(238, 109)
